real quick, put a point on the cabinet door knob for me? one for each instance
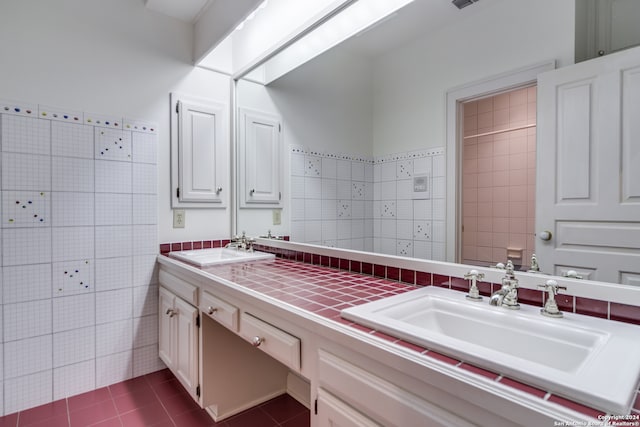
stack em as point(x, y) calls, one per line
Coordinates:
point(218, 190)
point(251, 192)
point(171, 312)
point(256, 341)
point(211, 310)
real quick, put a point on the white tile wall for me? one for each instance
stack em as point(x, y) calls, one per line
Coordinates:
point(368, 204)
point(78, 277)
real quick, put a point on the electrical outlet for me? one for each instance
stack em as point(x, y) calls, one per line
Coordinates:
point(179, 218)
point(277, 217)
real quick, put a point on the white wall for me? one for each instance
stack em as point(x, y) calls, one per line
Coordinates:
point(327, 103)
point(111, 57)
point(410, 83)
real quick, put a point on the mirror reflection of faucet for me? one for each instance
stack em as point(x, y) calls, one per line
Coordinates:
point(243, 243)
point(507, 296)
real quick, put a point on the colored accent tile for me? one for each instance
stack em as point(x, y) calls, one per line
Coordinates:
point(592, 307)
point(344, 264)
point(411, 346)
point(355, 267)
point(423, 279)
point(335, 262)
point(316, 259)
point(484, 288)
point(393, 273)
point(479, 371)
point(625, 313)
point(367, 268)
point(565, 302)
point(442, 357)
point(379, 271)
point(176, 247)
point(531, 297)
point(187, 246)
point(325, 261)
point(384, 336)
point(594, 413)
point(523, 387)
point(197, 245)
point(408, 276)
point(459, 284)
point(165, 248)
point(440, 281)
point(308, 258)
point(207, 244)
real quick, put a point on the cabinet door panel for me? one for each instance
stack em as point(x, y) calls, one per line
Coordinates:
point(186, 367)
point(199, 153)
point(333, 412)
point(165, 328)
point(260, 153)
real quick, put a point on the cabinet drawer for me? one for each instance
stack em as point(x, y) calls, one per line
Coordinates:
point(220, 311)
point(273, 341)
point(181, 288)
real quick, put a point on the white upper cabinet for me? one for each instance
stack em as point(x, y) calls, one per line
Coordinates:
point(200, 153)
point(606, 26)
point(260, 154)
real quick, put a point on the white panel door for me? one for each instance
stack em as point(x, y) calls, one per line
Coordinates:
point(260, 146)
point(588, 180)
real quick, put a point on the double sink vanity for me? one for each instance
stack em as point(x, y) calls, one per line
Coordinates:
point(238, 327)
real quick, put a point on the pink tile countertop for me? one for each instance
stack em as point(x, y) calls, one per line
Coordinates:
point(325, 291)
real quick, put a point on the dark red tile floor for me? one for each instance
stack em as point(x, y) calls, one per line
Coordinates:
point(153, 400)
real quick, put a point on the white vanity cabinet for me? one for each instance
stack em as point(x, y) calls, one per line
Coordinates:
point(334, 412)
point(347, 392)
point(178, 339)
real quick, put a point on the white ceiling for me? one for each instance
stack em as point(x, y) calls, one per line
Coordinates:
point(409, 23)
point(184, 10)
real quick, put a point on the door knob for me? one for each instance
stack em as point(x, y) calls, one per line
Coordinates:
point(545, 235)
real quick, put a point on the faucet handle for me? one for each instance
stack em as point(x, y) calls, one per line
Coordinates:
point(474, 292)
point(474, 274)
point(552, 287)
point(550, 308)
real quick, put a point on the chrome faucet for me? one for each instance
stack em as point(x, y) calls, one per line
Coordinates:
point(241, 243)
point(507, 296)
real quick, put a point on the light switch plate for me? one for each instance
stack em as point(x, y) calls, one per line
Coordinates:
point(277, 217)
point(179, 218)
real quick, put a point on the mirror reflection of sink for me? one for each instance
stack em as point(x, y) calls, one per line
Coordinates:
point(592, 361)
point(217, 256)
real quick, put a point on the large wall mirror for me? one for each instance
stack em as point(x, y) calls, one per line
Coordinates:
point(358, 136)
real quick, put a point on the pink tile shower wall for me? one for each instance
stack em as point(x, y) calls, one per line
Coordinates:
point(79, 240)
point(499, 177)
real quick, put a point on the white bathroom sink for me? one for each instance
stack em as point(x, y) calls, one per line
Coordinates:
point(592, 361)
point(217, 256)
